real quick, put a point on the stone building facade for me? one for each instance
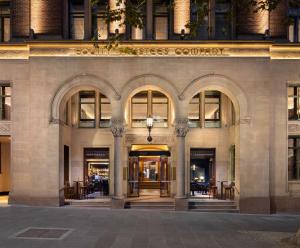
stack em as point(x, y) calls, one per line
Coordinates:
point(234, 102)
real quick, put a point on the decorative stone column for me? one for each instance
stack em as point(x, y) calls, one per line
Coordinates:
point(181, 129)
point(117, 129)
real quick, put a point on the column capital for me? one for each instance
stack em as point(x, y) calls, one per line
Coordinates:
point(181, 127)
point(117, 127)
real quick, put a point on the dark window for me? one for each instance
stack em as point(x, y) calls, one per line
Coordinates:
point(212, 109)
point(293, 103)
point(87, 108)
point(5, 106)
point(223, 20)
point(105, 111)
point(194, 111)
point(294, 158)
point(4, 21)
point(76, 19)
point(66, 164)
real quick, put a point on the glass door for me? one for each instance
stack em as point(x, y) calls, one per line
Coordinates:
point(164, 177)
point(133, 177)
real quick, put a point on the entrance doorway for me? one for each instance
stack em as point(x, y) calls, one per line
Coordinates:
point(202, 171)
point(149, 173)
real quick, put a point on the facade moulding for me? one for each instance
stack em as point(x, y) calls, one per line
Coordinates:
point(246, 49)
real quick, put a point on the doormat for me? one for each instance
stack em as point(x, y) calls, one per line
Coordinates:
point(43, 233)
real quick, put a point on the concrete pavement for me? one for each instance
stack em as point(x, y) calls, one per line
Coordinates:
point(91, 227)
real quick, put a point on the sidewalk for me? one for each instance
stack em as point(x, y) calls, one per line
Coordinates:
point(91, 227)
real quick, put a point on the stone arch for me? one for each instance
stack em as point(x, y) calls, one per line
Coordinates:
point(149, 80)
point(220, 83)
point(74, 84)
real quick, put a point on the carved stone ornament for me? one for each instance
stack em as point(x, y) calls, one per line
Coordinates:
point(117, 127)
point(181, 127)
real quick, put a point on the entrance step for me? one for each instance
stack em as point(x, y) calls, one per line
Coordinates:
point(218, 206)
point(150, 205)
point(94, 203)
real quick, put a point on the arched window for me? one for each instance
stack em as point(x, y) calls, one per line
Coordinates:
point(149, 103)
point(205, 109)
point(91, 109)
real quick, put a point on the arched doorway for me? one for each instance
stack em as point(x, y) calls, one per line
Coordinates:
point(211, 145)
point(82, 108)
point(237, 147)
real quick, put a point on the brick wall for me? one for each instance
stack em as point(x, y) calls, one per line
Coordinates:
point(249, 22)
point(278, 20)
point(20, 18)
point(46, 16)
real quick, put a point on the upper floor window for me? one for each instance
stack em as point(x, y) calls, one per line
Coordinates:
point(87, 102)
point(223, 19)
point(294, 29)
point(149, 103)
point(5, 105)
point(4, 22)
point(76, 19)
point(161, 20)
point(293, 103)
point(99, 21)
point(294, 158)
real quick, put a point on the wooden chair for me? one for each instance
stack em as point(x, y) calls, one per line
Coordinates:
point(229, 191)
point(212, 189)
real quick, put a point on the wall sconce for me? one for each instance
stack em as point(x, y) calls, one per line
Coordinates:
point(149, 126)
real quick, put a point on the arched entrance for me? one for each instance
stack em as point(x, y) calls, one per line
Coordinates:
point(149, 170)
point(82, 108)
point(221, 138)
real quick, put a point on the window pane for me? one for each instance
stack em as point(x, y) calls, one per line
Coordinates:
point(212, 112)
point(77, 27)
point(194, 113)
point(160, 115)
point(294, 159)
point(6, 34)
point(141, 97)
point(87, 111)
point(158, 97)
point(161, 28)
point(105, 111)
point(102, 28)
point(137, 33)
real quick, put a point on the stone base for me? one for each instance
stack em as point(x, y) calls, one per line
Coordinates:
point(285, 204)
point(181, 204)
point(255, 205)
point(117, 203)
point(34, 201)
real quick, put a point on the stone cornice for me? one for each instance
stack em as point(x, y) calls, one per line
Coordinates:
point(151, 49)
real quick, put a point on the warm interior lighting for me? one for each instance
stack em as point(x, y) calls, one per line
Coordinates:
point(117, 25)
point(181, 16)
point(149, 148)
